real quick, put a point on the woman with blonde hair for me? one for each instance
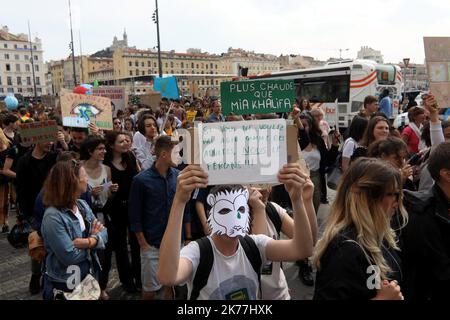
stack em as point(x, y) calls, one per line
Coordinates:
point(7, 156)
point(356, 257)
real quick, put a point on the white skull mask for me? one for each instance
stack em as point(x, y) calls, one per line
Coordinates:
point(230, 214)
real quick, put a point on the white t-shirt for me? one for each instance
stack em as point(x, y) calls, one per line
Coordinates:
point(80, 219)
point(312, 159)
point(274, 286)
point(349, 148)
point(231, 278)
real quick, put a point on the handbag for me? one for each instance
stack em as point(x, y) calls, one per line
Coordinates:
point(36, 247)
point(18, 236)
point(88, 289)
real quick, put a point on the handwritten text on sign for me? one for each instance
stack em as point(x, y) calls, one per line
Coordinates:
point(36, 132)
point(243, 152)
point(257, 97)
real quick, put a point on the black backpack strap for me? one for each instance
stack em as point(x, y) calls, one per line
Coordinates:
point(204, 267)
point(252, 252)
point(273, 215)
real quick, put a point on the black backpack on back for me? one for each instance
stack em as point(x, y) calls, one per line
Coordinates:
point(273, 215)
point(207, 260)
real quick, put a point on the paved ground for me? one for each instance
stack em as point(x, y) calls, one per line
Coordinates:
point(15, 272)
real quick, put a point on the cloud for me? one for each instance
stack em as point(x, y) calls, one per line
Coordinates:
point(317, 28)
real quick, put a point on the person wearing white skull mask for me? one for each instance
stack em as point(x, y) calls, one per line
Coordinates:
point(232, 275)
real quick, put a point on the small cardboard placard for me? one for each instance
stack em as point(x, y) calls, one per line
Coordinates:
point(37, 132)
point(244, 152)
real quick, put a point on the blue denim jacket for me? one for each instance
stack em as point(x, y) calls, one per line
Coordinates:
point(59, 229)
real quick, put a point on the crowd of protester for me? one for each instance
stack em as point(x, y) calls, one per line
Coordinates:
point(92, 193)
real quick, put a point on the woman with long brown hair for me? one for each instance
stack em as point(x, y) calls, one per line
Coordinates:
point(70, 231)
point(357, 256)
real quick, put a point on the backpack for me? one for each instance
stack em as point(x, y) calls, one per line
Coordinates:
point(273, 215)
point(207, 260)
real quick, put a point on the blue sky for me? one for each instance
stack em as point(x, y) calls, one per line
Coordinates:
point(316, 28)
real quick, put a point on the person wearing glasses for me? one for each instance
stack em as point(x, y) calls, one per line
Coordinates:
point(93, 151)
point(357, 256)
point(71, 233)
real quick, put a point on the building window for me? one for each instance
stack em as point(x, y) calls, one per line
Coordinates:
point(39, 90)
point(19, 90)
point(25, 47)
point(27, 68)
point(1, 90)
point(38, 81)
point(34, 48)
point(167, 65)
point(131, 72)
point(28, 81)
point(154, 65)
point(182, 64)
point(6, 56)
point(206, 66)
point(17, 57)
point(18, 67)
point(192, 64)
point(36, 58)
point(182, 71)
point(26, 57)
point(142, 64)
point(217, 82)
point(30, 90)
point(19, 81)
point(203, 82)
point(149, 64)
point(9, 81)
point(136, 63)
point(5, 46)
point(171, 64)
point(171, 71)
point(149, 71)
point(130, 64)
point(217, 67)
point(36, 67)
point(15, 46)
point(10, 90)
point(198, 66)
point(137, 72)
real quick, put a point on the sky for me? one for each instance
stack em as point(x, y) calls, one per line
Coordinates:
point(318, 28)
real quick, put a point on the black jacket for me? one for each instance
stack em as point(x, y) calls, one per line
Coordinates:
point(425, 244)
point(344, 272)
point(31, 174)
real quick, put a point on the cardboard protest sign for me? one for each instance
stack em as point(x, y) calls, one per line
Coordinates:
point(257, 97)
point(79, 110)
point(36, 132)
point(437, 54)
point(151, 100)
point(116, 94)
point(245, 152)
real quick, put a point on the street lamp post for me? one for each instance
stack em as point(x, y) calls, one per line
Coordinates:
point(406, 64)
point(156, 20)
point(72, 48)
point(32, 62)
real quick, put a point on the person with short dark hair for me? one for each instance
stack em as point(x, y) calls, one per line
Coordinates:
point(357, 128)
point(425, 241)
point(144, 140)
point(413, 132)
point(370, 106)
point(386, 104)
point(216, 115)
point(78, 136)
point(10, 126)
point(151, 196)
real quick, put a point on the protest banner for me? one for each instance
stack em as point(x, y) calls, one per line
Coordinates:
point(168, 87)
point(117, 96)
point(79, 110)
point(437, 55)
point(257, 97)
point(243, 152)
point(36, 132)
